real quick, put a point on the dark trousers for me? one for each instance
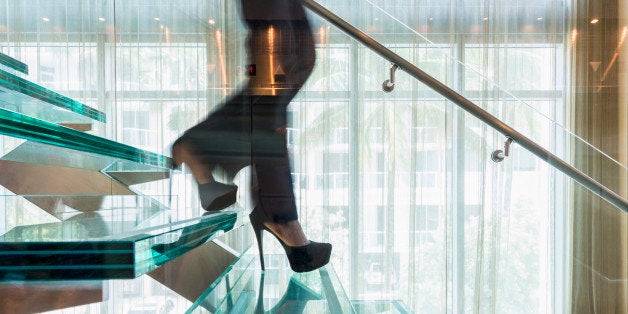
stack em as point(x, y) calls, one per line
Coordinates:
point(249, 128)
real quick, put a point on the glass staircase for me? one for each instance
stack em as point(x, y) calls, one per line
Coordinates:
point(80, 234)
point(120, 249)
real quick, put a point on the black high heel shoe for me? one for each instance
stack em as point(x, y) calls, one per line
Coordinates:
point(214, 195)
point(302, 258)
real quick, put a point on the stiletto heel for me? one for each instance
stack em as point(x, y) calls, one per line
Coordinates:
point(302, 258)
point(257, 229)
point(173, 167)
point(171, 174)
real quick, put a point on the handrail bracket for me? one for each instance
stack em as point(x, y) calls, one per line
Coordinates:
point(389, 85)
point(499, 155)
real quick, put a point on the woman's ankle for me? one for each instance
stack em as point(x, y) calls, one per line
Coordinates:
point(202, 173)
point(289, 232)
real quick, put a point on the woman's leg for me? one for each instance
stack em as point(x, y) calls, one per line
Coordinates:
point(296, 56)
point(271, 160)
point(223, 137)
point(221, 140)
point(282, 45)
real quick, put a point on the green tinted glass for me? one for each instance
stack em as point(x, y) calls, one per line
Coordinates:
point(20, 95)
point(11, 64)
point(21, 126)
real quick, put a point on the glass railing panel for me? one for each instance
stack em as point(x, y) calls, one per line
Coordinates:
point(527, 226)
point(505, 221)
point(420, 213)
point(7, 63)
point(533, 110)
point(246, 289)
point(14, 124)
point(542, 222)
point(500, 231)
point(100, 236)
point(20, 95)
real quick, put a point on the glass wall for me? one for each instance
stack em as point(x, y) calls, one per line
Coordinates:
point(400, 183)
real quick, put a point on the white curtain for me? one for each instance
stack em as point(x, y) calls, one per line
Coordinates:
point(400, 183)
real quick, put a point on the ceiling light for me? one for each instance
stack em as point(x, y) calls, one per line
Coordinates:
point(45, 19)
point(595, 20)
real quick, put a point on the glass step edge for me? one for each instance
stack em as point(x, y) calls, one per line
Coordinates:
point(124, 258)
point(107, 217)
point(18, 125)
point(13, 63)
point(20, 86)
point(143, 294)
point(210, 226)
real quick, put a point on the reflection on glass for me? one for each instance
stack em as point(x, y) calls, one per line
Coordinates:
point(246, 289)
point(294, 300)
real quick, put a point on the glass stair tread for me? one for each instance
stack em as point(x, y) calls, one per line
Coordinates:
point(245, 288)
point(18, 125)
point(117, 241)
point(284, 292)
point(43, 154)
point(11, 63)
point(20, 95)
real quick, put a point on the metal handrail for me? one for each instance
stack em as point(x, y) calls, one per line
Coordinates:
point(469, 106)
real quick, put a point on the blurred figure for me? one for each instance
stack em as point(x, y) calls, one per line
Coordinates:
point(250, 129)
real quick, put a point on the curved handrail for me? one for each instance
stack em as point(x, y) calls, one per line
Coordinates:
point(498, 86)
point(469, 106)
